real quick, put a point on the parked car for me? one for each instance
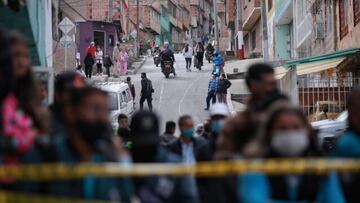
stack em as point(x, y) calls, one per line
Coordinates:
point(120, 100)
point(330, 129)
point(334, 109)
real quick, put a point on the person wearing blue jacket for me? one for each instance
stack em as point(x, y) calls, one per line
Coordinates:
point(213, 83)
point(289, 135)
point(348, 146)
point(218, 61)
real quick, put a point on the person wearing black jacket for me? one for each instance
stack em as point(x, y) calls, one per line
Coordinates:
point(107, 64)
point(89, 62)
point(146, 92)
point(223, 85)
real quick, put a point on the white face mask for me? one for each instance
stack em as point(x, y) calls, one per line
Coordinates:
point(290, 142)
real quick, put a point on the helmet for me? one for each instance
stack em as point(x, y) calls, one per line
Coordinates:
point(166, 44)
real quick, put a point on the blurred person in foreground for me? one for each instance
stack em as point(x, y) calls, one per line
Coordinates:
point(124, 131)
point(90, 140)
point(261, 82)
point(24, 119)
point(189, 148)
point(169, 134)
point(289, 135)
point(147, 149)
point(348, 146)
point(64, 84)
point(218, 115)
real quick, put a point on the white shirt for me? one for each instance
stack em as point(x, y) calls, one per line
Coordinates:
point(189, 53)
point(99, 56)
point(188, 156)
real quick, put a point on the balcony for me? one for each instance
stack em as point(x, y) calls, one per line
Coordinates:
point(251, 13)
point(155, 27)
point(283, 12)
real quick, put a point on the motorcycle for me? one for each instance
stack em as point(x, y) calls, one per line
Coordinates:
point(209, 56)
point(157, 60)
point(167, 68)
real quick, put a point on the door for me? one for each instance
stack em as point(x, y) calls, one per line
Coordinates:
point(99, 39)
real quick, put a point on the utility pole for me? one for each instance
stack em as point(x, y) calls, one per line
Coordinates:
point(216, 26)
point(264, 30)
point(111, 8)
point(137, 28)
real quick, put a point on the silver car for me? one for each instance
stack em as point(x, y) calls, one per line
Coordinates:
point(331, 128)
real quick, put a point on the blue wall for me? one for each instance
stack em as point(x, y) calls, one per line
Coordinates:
point(281, 35)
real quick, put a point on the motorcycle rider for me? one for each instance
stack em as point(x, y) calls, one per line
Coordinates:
point(156, 50)
point(167, 55)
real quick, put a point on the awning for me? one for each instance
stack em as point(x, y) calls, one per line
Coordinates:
point(280, 72)
point(314, 67)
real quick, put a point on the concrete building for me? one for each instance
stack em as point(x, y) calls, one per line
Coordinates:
point(251, 20)
point(283, 28)
point(348, 24)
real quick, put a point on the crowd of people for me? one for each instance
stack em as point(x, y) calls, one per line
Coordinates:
point(76, 129)
point(114, 66)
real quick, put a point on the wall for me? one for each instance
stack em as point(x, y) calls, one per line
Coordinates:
point(281, 34)
point(352, 39)
point(87, 29)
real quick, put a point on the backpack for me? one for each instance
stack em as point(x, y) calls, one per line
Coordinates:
point(149, 88)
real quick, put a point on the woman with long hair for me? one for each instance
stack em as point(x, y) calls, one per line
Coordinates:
point(188, 54)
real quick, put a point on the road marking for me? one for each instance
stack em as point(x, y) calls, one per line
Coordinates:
point(183, 97)
point(161, 93)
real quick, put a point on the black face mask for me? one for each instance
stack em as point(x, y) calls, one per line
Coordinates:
point(92, 132)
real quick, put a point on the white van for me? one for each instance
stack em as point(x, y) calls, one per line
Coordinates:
point(121, 101)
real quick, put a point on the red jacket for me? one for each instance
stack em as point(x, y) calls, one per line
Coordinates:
point(91, 50)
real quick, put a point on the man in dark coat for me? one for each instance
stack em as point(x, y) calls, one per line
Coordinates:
point(146, 92)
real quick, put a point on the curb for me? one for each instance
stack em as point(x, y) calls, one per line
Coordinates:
point(136, 69)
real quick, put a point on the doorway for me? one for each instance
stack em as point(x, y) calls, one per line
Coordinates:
point(99, 39)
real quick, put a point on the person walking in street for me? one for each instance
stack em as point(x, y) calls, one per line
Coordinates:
point(188, 54)
point(213, 84)
point(168, 136)
point(99, 60)
point(107, 64)
point(132, 88)
point(146, 92)
point(123, 62)
point(200, 53)
point(218, 61)
point(223, 85)
point(89, 62)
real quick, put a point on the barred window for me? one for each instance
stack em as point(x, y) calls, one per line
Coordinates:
point(356, 11)
point(343, 18)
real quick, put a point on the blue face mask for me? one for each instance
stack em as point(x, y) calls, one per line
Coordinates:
point(217, 126)
point(189, 132)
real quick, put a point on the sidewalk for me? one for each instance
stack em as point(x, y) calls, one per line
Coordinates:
point(235, 71)
point(132, 70)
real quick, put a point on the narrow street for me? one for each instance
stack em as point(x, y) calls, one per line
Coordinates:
point(176, 96)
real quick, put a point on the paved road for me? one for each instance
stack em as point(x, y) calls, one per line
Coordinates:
point(183, 94)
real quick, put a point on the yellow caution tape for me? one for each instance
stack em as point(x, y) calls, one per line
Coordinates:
point(48, 172)
point(15, 197)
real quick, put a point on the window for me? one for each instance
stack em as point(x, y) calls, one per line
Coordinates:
point(343, 18)
point(113, 101)
point(253, 39)
point(126, 100)
point(270, 4)
point(356, 11)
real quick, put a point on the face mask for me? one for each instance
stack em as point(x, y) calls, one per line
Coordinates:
point(189, 132)
point(217, 126)
point(290, 143)
point(92, 132)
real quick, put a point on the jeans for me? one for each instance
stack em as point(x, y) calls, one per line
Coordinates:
point(108, 70)
point(221, 97)
point(188, 63)
point(200, 57)
point(88, 71)
point(211, 96)
point(148, 99)
point(98, 68)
